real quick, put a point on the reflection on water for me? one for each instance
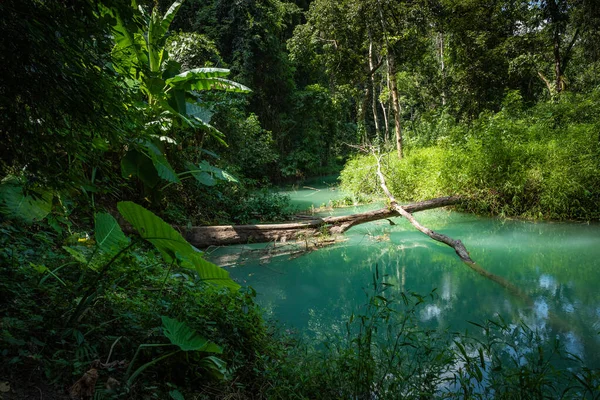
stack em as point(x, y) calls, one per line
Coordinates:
point(557, 265)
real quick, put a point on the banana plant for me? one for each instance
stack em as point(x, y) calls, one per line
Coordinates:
point(172, 95)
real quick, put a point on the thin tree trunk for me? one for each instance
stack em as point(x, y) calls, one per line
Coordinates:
point(557, 61)
point(362, 115)
point(395, 104)
point(442, 66)
point(373, 90)
point(385, 120)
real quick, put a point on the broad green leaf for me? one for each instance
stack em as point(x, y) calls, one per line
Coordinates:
point(161, 164)
point(204, 178)
point(172, 246)
point(208, 175)
point(170, 15)
point(139, 165)
point(157, 29)
point(29, 207)
point(109, 236)
point(218, 84)
point(155, 34)
point(176, 395)
point(187, 339)
point(197, 73)
point(130, 52)
point(212, 131)
point(214, 366)
point(77, 255)
point(195, 111)
point(218, 173)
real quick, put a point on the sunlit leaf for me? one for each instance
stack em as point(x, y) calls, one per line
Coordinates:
point(172, 246)
point(109, 236)
point(187, 339)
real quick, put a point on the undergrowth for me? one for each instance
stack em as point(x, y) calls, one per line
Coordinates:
point(383, 353)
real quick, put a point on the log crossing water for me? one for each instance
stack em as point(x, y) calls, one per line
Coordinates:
point(556, 264)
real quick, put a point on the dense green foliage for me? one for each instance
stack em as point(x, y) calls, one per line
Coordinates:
point(193, 108)
point(42, 283)
point(542, 162)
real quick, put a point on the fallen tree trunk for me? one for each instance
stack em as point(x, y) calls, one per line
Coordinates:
point(457, 245)
point(204, 236)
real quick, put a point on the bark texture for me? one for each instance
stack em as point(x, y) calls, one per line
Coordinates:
point(204, 236)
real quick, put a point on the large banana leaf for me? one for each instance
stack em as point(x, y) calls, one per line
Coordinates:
point(130, 52)
point(193, 110)
point(219, 84)
point(206, 79)
point(109, 236)
point(172, 246)
point(208, 175)
point(156, 34)
point(186, 338)
point(199, 73)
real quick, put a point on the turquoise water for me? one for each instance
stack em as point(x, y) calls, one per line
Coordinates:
point(314, 193)
point(557, 265)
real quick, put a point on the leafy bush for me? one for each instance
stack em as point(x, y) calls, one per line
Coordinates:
point(539, 163)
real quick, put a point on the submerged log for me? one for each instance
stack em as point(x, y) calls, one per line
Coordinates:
point(204, 236)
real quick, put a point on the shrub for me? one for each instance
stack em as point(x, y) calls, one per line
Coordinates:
point(539, 163)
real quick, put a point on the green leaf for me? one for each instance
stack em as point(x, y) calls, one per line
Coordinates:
point(214, 366)
point(204, 178)
point(109, 236)
point(218, 84)
point(164, 169)
point(206, 79)
point(139, 165)
point(215, 172)
point(197, 73)
point(172, 246)
point(157, 30)
point(186, 338)
point(77, 255)
point(30, 207)
point(205, 173)
point(170, 15)
point(176, 395)
point(130, 53)
point(193, 110)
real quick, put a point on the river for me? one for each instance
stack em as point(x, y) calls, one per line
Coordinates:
point(557, 265)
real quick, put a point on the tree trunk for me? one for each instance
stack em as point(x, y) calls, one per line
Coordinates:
point(395, 104)
point(362, 115)
point(204, 236)
point(373, 90)
point(386, 138)
point(557, 62)
point(442, 66)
